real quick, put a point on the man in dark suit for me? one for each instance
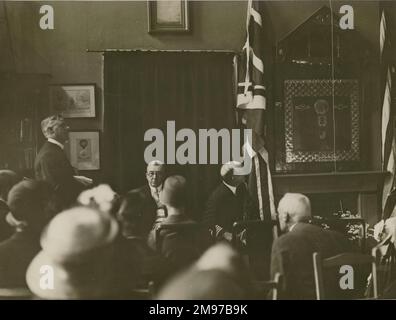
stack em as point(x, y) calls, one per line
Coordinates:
point(182, 246)
point(52, 166)
point(150, 207)
point(228, 202)
point(292, 252)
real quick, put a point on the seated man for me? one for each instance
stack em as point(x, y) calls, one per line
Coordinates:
point(8, 179)
point(150, 207)
point(292, 252)
point(227, 203)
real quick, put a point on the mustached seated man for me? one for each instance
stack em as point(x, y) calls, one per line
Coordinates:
point(229, 202)
point(292, 253)
point(151, 209)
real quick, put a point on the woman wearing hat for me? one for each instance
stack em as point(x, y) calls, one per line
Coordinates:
point(84, 257)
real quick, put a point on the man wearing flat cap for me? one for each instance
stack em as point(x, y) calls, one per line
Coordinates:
point(151, 209)
point(52, 166)
point(228, 202)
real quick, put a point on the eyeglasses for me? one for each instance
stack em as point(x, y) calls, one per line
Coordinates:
point(154, 173)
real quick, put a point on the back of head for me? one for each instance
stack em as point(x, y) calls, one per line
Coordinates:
point(31, 201)
point(295, 205)
point(219, 274)
point(229, 169)
point(8, 179)
point(130, 214)
point(174, 193)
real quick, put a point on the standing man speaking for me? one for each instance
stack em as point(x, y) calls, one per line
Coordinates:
point(52, 166)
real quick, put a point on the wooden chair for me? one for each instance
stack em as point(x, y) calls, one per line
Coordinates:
point(270, 288)
point(145, 293)
point(352, 259)
point(191, 228)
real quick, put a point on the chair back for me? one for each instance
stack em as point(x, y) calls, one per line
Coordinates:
point(344, 259)
point(270, 289)
point(192, 229)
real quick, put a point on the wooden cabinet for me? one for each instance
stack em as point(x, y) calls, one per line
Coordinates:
point(23, 101)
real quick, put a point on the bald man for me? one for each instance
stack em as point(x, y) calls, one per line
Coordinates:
point(151, 210)
point(292, 252)
point(227, 203)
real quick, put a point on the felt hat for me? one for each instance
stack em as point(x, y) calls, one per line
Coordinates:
point(75, 248)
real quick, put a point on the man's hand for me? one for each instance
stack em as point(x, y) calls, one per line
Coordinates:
point(242, 237)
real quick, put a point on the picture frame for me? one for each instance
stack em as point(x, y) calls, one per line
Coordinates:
point(168, 16)
point(84, 149)
point(73, 100)
point(309, 129)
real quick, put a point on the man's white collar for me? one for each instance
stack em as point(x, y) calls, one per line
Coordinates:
point(57, 143)
point(232, 188)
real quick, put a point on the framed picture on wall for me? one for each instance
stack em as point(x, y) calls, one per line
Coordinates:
point(168, 16)
point(84, 150)
point(73, 101)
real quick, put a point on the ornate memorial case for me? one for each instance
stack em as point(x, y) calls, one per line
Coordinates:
point(319, 97)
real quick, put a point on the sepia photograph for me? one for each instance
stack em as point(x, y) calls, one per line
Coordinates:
point(232, 151)
point(73, 101)
point(84, 150)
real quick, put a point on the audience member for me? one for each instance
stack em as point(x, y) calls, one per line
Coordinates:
point(8, 179)
point(292, 252)
point(385, 234)
point(86, 256)
point(179, 247)
point(30, 210)
point(219, 274)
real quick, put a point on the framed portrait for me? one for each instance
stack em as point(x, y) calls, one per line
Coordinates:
point(73, 101)
point(84, 150)
point(168, 16)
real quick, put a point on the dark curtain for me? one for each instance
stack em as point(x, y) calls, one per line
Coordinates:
point(143, 90)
